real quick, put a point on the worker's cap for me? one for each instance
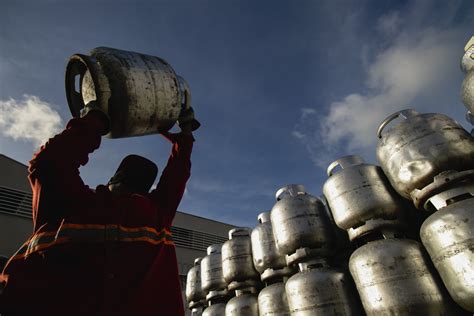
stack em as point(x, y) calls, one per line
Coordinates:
point(136, 173)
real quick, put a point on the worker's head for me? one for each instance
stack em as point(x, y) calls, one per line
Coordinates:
point(135, 174)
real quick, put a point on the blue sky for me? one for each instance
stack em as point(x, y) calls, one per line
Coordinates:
point(282, 88)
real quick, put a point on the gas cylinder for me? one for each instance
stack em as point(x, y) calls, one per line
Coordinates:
point(394, 277)
point(194, 294)
point(300, 226)
point(420, 147)
point(266, 258)
point(448, 235)
point(197, 311)
point(343, 248)
point(320, 290)
point(359, 192)
point(141, 94)
point(212, 278)
point(467, 88)
point(237, 262)
point(243, 304)
point(272, 300)
point(217, 309)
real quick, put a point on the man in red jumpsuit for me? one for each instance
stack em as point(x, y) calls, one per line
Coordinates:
point(106, 251)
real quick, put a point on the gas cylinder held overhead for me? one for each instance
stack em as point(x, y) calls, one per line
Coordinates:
point(141, 93)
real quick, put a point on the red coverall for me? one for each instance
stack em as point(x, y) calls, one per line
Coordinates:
point(110, 277)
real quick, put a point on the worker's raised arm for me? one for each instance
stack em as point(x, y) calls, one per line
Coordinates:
point(54, 169)
point(170, 188)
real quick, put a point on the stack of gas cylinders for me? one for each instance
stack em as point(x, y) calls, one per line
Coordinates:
point(394, 239)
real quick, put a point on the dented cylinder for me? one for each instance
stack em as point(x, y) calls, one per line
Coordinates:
point(212, 277)
point(299, 221)
point(320, 290)
point(237, 262)
point(420, 147)
point(359, 192)
point(272, 301)
point(194, 294)
point(141, 93)
point(448, 237)
point(395, 277)
point(268, 261)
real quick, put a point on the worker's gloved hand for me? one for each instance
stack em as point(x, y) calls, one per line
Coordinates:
point(187, 122)
point(92, 108)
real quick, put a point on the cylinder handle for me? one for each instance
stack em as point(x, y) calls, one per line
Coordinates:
point(405, 114)
point(263, 217)
point(291, 190)
point(186, 100)
point(345, 162)
point(215, 248)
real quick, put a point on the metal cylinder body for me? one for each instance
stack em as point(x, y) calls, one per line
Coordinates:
point(420, 147)
point(299, 221)
point(448, 237)
point(237, 262)
point(321, 291)
point(394, 277)
point(197, 311)
point(244, 304)
point(212, 278)
point(467, 66)
point(142, 94)
point(272, 301)
point(217, 309)
point(194, 293)
point(268, 261)
point(359, 192)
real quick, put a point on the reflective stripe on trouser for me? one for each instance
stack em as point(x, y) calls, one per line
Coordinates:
point(89, 233)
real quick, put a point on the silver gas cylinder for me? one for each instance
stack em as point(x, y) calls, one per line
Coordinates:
point(212, 277)
point(268, 261)
point(358, 192)
point(141, 94)
point(448, 234)
point(197, 311)
point(244, 303)
point(343, 248)
point(320, 290)
point(467, 88)
point(394, 277)
point(194, 294)
point(300, 226)
point(217, 309)
point(420, 147)
point(272, 300)
point(237, 262)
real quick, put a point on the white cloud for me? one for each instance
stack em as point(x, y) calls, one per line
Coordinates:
point(414, 66)
point(29, 119)
point(417, 65)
